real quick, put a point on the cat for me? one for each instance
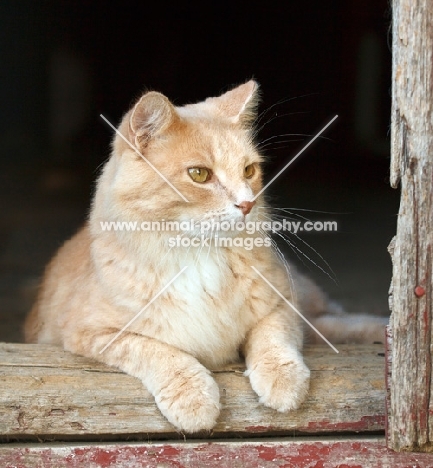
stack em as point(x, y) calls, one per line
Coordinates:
point(176, 164)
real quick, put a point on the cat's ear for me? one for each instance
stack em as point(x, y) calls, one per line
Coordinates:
point(151, 116)
point(239, 105)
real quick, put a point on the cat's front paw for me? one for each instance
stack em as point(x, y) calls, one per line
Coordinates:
point(190, 399)
point(280, 379)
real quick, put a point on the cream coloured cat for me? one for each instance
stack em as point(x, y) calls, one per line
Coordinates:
point(197, 162)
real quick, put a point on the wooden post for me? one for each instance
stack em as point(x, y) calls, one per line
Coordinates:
point(410, 425)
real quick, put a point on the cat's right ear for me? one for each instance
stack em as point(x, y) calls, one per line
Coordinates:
point(239, 105)
point(151, 116)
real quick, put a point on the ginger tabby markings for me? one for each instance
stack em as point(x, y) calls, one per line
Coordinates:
point(218, 308)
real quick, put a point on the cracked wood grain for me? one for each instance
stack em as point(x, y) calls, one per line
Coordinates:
point(49, 394)
point(411, 410)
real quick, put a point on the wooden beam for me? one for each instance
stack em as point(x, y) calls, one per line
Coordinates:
point(411, 409)
point(258, 453)
point(49, 394)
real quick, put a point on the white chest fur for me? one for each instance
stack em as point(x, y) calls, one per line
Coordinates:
point(204, 310)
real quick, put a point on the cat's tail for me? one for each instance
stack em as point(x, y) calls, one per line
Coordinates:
point(348, 328)
point(329, 317)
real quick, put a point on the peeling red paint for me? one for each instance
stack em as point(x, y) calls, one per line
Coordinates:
point(169, 450)
point(281, 453)
point(109, 456)
point(267, 453)
point(350, 466)
point(255, 429)
point(367, 423)
point(104, 457)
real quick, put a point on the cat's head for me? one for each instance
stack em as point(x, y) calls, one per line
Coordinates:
point(195, 162)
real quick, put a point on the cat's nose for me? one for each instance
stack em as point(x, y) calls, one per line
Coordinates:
point(246, 206)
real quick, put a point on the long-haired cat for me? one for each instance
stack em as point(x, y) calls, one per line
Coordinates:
point(177, 164)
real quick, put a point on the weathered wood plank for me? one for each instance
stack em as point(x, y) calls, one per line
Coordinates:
point(259, 453)
point(410, 423)
point(52, 394)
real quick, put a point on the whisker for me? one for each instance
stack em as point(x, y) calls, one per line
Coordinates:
point(259, 145)
point(297, 216)
point(311, 211)
point(190, 245)
point(280, 102)
point(280, 257)
point(216, 248)
point(168, 251)
point(296, 249)
point(334, 276)
point(277, 148)
point(276, 143)
point(276, 116)
point(287, 241)
point(195, 237)
point(277, 216)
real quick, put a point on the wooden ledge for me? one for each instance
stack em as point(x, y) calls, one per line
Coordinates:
point(50, 394)
point(254, 453)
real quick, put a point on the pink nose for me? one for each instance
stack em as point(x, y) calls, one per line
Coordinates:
point(246, 206)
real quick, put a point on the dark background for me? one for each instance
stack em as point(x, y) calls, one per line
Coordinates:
point(65, 62)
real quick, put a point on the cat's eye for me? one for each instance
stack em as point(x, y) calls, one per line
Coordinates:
point(249, 171)
point(200, 174)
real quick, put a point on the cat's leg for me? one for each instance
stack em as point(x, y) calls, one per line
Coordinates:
point(274, 363)
point(184, 389)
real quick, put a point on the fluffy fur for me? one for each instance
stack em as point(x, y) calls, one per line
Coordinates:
point(218, 307)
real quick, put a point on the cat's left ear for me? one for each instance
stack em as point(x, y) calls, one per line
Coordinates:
point(239, 105)
point(151, 116)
